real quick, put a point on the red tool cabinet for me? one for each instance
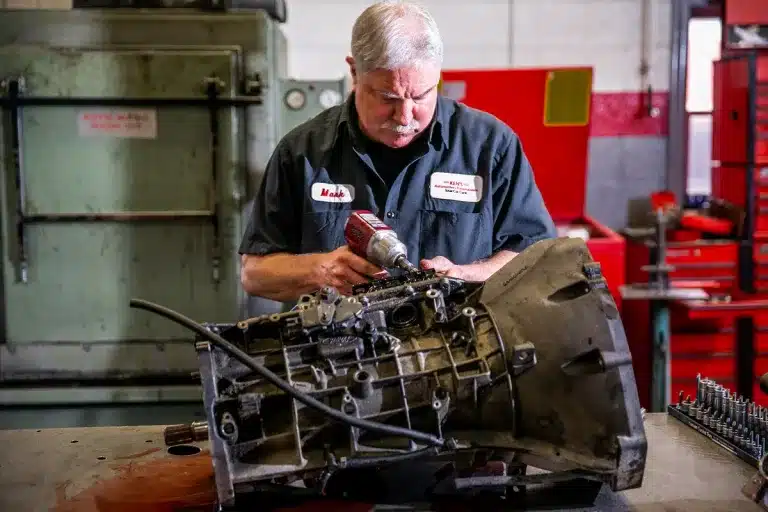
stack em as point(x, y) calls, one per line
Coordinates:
point(726, 341)
point(549, 109)
point(740, 169)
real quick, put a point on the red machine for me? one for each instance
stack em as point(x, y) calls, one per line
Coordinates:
point(549, 109)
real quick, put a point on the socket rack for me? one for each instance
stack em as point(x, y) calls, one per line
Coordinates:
point(734, 423)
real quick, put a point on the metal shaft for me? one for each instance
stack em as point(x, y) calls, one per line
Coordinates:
point(189, 433)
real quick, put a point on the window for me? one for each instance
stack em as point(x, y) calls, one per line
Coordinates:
point(704, 39)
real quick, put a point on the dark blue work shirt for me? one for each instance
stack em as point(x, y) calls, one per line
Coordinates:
point(463, 190)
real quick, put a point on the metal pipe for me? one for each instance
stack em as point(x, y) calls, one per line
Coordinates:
point(117, 216)
point(212, 92)
point(14, 88)
point(183, 434)
point(645, 51)
point(70, 101)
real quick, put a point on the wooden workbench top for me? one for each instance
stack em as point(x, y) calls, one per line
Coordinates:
point(115, 469)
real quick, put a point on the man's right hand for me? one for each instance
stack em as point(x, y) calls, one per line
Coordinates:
point(344, 269)
point(285, 277)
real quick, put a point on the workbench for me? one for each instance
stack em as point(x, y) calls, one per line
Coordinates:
point(117, 469)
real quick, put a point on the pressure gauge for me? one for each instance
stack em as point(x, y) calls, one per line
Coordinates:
point(295, 99)
point(329, 98)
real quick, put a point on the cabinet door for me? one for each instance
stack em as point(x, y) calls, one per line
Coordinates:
point(761, 113)
point(731, 111)
point(119, 204)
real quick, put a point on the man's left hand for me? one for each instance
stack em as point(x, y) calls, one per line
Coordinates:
point(443, 266)
point(477, 271)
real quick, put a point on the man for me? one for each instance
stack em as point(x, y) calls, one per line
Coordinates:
point(453, 182)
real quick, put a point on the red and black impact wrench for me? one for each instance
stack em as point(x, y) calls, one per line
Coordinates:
point(368, 237)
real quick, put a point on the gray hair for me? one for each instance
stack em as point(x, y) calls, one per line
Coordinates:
point(395, 34)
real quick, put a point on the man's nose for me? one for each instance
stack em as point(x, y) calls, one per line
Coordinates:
point(404, 112)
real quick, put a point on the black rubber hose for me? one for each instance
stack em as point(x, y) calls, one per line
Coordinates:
point(302, 397)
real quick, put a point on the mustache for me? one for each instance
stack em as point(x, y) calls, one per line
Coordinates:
point(411, 127)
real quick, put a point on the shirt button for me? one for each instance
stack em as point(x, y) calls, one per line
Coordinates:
point(391, 215)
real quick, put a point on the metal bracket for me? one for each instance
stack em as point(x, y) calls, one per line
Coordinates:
point(438, 301)
point(13, 89)
point(523, 359)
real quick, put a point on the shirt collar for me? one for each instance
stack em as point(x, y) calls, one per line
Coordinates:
point(438, 129)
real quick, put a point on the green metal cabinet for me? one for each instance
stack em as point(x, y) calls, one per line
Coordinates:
point(129, 199)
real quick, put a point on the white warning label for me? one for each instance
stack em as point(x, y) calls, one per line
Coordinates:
point(125, 123)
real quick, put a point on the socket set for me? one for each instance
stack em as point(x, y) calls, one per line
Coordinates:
point(733, 422)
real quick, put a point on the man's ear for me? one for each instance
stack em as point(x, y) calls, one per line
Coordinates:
point(352, 70)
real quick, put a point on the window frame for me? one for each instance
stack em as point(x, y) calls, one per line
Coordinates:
point(697, 13)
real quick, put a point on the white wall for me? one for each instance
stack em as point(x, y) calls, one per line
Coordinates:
point(627, 154)
point(607, 34)
point(492, 34)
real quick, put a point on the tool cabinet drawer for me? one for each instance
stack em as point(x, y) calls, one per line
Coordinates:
point(761, 335)
point(702, 252)
point(710, 271)
point(761, 276)
point(761, 123)
point(711, 279)
point(761, 220)
point(715, 366)
point(702, 344)
point(714, 262)
point(760, 251)
point(761, 364)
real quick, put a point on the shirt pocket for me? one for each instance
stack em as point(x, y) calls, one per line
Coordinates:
point(462, 237)
point(323, 231)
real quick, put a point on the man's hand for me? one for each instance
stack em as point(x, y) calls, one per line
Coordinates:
point(285, 277)
point(478, 271)
point(344, 269)
point(442, 266)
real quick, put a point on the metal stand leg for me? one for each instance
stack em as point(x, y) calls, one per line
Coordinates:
point(661, 367)
point(659, 293)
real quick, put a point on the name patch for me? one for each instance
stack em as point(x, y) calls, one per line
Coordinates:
point(333, 193)
point(457, 187)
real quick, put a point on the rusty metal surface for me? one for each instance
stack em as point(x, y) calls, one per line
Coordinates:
point(128, 468)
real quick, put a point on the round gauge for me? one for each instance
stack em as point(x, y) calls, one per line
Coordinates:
point(295, 99)
point(329, 98)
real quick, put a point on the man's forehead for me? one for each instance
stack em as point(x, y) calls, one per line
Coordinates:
point(399, 82)
point(403, 89)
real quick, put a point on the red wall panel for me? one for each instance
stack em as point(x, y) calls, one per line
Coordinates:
point(624, 114)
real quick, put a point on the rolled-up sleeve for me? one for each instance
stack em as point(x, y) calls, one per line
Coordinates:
point(273, 226)
point(520, 216)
